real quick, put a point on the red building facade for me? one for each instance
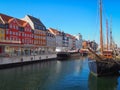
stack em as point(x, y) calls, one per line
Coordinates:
point(11, 30)
point(19, 37)
point(25, 33)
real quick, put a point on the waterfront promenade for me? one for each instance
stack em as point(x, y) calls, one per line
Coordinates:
point(26, 59)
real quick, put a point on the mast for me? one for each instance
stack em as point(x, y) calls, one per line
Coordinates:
point(101, 35)
point(107, 33)
point(111, 33)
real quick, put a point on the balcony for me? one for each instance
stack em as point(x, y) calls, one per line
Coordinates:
point(9, 41)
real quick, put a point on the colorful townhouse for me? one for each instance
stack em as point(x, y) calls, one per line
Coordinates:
point(11, 32)
point(70, 45)
point(2, 35)
point(51, 42)
point(62, 40)
point(18, 36)
point(78, 41)
point(59, 39)
point(29, 36)
point(26, 36)
point(65, 40)
point(40, 40)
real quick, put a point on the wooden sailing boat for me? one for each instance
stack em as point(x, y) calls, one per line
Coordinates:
point(103, 63)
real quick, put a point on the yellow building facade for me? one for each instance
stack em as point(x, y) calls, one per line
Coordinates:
point(2, 34)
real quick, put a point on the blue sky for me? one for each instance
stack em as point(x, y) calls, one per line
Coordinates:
point(70, 16)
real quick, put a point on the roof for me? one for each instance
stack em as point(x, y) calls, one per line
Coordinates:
point(36, 20)
point(22, 22)
point(5, 18)
point(54, 31)
point(70, 36)
point(8, 19)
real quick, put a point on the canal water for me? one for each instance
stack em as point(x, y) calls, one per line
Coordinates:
point(70, 74)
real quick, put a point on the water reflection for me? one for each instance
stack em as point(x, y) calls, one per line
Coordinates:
point(102, 83)
point(25, 77)
point(52, 75)
point(71, 74)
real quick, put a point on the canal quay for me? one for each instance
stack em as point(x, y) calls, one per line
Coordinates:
point(72, 74)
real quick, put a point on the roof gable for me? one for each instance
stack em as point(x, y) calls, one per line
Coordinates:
point(37, 23)
point(1, 20)
point(54, 31)
point(5, 18)
point(22, 22)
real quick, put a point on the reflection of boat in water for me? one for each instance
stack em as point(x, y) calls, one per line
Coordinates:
point(102, 83)
point(103, 63)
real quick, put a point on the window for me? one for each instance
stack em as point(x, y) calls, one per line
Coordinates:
point(22, 34)
point(10, 25)
point(1, 38)
point(22, 40)
point(10, 32)
point(6, 38)
point(11, 38)
point(14, 26)
point(16, 33)
point(17, 27)
point(13, 33)
point(7, 32)
point(26, 29)
point(2, 31)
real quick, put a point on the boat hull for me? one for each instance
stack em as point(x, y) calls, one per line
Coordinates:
point(67, 55)
point(103, 67)
point(63, 55)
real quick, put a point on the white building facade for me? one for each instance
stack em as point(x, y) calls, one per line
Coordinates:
point(51, 42)
point(78, 41)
